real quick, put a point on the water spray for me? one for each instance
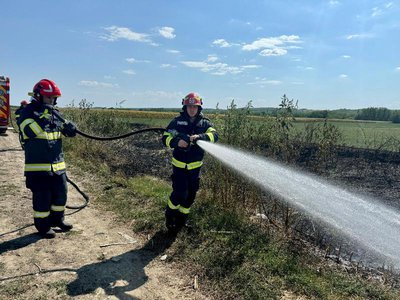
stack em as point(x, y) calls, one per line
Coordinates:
point(362, 218)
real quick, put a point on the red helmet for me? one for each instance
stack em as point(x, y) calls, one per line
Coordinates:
point(24, 102)
point(46, 88)
point(192, 99)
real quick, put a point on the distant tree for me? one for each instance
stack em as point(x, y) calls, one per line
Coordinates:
point(323, 114)
point(374, 114)
point(396, 117)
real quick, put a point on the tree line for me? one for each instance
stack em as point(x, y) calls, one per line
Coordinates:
point(370, 113)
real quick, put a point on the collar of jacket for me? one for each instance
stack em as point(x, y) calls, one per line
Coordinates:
point(37, 105)
point(185, 115)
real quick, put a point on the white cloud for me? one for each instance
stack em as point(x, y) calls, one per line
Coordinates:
point(94, 83)
point(334, 3)
point(271, 42)
point(251, 66)
point(273, 52)
point(123, 33)
point(132, 60)
point(163, 66)
point(212, 58)
point(167, 32)
point(155, 96)
point(173, 51)
point(398, 69)
point(380, 10)
point(343, 76)
point(305, 68)
point(346, 56)
point(129, 72)
point(264, 81)
point(219, 68)
point(215, 69)
point(376, 11)
point(293, 47)
point(359, 36)
point(273, 46)
point(109, 77)
point(389, 5)
point(222, 43)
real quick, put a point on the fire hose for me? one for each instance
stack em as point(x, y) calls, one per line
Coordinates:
point(99, 138)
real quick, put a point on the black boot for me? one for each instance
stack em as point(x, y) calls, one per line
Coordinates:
point(170, 220)
point(49, 234)
point(181, 221)
point(64, 226)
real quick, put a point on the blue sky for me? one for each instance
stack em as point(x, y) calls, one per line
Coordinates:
point(325, 54)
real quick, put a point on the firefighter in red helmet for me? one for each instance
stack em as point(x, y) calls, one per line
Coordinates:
point(41, 127)
point(181, 135)
point(23, 104)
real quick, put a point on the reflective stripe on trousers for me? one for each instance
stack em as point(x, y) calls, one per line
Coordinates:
point(45, 167)
point(182, 209)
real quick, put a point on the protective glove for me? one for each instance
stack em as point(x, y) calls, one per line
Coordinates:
point(195, 137)
point(185, 138)
point(69, 129)
point(198, 137)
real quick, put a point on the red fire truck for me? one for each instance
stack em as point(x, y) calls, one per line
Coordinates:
point(4, 103)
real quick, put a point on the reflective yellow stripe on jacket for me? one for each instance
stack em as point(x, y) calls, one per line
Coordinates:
point(169, 139)
point(40, 134)
point(45, 114)
point(189, 166)
point(49, 135)
point(32, 125)
point(210, 134)
point(44, 167)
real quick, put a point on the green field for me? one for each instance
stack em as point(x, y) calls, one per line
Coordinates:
point(361, 134)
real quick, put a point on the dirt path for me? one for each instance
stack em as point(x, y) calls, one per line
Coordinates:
point(130, 271)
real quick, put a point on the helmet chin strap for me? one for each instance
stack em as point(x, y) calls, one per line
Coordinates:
point(40, 99)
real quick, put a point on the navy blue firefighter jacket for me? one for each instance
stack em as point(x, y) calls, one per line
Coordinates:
point(181, 128)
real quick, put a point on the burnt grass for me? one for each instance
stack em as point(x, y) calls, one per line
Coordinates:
point(368, 171)
point(373, 173)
